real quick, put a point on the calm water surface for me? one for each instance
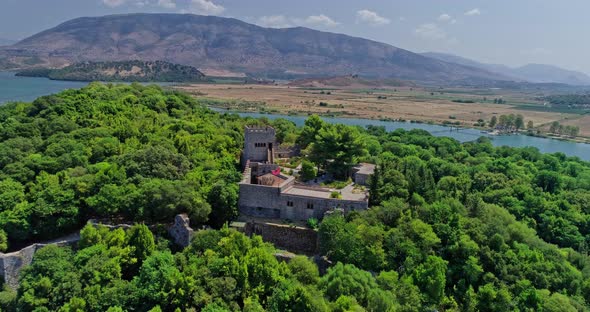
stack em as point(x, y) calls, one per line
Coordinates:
point(27, 89)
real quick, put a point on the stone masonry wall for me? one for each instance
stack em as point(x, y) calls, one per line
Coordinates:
point(293, 239)
point(257, 142)
point(259, 201)
point(11, 264)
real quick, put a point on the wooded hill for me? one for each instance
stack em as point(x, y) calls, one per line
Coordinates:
point(452, 227)
point(124, 71)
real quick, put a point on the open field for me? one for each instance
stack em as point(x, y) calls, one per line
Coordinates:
point(406, 103)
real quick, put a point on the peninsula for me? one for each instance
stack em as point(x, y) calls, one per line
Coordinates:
point(121, 71)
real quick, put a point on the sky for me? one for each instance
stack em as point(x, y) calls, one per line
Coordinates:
point(510, 32)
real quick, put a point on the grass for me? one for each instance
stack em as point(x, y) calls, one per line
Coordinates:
point(337, 184)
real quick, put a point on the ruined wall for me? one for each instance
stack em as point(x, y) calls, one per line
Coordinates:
point(294, 239)
point(181, 231)
point(11, 264)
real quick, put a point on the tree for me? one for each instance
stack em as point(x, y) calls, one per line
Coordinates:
point(519, 122)
point(141, 240)
point(554, 128)
point(304, 270)
point(292, 296)
point(160, 280)
point(549, 181)
point(431, 278)
point(308, 170)
point(347, 280)
point(310, 130)
point(493, 122)
point(3, 241)
point(530, 125)
point(223, 199)
point(337, 148)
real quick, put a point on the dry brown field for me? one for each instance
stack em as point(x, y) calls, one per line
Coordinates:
point(400, 103)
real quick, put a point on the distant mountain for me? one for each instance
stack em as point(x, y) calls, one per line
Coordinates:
point(537, 73)
point(216, 44)
point(127, 71)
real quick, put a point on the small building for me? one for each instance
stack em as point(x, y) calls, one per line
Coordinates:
point(362, 173)
point(267, 193)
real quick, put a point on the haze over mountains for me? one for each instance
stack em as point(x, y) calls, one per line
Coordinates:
point(230, 47)
point(5, 42)
point(538, 73)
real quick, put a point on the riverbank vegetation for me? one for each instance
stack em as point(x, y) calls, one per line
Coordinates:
point(452, 227)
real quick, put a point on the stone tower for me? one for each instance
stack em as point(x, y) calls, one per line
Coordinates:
point(259, 144)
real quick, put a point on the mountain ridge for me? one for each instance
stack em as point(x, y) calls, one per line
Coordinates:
point(536, 73)
point(218, 43)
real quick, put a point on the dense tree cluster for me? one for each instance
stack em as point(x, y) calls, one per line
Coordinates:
point(473, 227)
point(129, 71)
point(508, 122)
point(557, 128)
point(569, 100)
point(452, 227)
point(107, 151)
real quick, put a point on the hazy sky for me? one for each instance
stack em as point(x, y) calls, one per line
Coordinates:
point(512, 32)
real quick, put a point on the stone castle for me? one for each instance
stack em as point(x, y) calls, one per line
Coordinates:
point(265, 192)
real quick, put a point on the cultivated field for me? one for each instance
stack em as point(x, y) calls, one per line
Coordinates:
point(436, 105)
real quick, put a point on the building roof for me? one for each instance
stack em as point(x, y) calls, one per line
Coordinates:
point(365, 168)
point(270, 179)
point(347, 193)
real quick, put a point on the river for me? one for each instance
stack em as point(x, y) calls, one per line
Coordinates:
point(14, 88)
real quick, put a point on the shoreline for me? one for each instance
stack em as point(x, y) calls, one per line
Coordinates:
point(579, 140)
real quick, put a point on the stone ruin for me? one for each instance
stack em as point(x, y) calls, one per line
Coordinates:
point(11, 264)
point(181, 231)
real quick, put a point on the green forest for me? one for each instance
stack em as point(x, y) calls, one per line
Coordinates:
point(569, 100)
point(452, 227)
point(127, 71)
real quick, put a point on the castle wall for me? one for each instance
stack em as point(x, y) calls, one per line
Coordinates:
point(259, 201)
point(300, 211)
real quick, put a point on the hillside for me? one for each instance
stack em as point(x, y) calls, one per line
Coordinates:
point(215, 44)
point(128, 71)
point(536, 73)
point(349, 81)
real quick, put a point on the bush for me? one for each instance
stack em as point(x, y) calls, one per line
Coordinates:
point(313, 223)
point(308, 170)
point(336, 194)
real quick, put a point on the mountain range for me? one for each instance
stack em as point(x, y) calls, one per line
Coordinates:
point(229, 46)
point(221, 46)
point(536, 73)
